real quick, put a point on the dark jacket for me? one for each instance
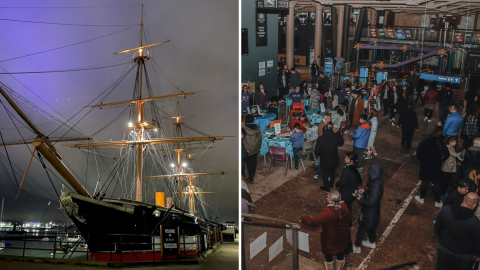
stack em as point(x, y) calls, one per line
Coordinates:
point(408, 120)
point(459, 230)
point(314, 69)
point(453, 197)
point(327, 148)
point(412, 80)
point(349, 182)
point(471, 159)
point(294, 80)
point(372, 197)
point(431, 152)
point(323, 85)
point(442, 97)
point(261, 99)
point(335, 236)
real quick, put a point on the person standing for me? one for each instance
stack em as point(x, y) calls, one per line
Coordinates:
point(355, 108)
point(373, 122)
point(369, 199)
point(459, 231)
point(245, 98)
point(323, 87)
point(409, 123)
point(243, 153)
point(442, 99)
point(420, 90)
point(261, 96)
point(449, 166)
point(283, 83)
point(431, 152)
point(327, 149)
point(453, 124)
point(458, 99)
point(470, 128)
point(471, 98)
point(335, 220)
point(314, 71)
point(388, 98)
point(304, 88)
point(471, 159)
point(349, 181)
point(252, 142)
point(326, 119)
point(360, 136)
point(296, 138)
point(392, 99)
point(294, 80)
point(411, 82)
point(431, 98)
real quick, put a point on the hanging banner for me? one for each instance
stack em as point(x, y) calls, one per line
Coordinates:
point(440, 78)
point(328, 66)
point(381, 32)
point(408, 34)
point(363, 72)
point(390, 32)
point(373, 32)
point(459, 37)
point(381, 75)
point(261, 30)
point(399, 33)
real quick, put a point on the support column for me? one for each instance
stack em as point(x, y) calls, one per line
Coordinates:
point(317, 46)
point(290, 34)
point(341, 10)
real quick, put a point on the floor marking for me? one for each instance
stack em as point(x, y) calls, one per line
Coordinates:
point(394, 221)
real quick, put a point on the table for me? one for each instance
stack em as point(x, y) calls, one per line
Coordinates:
point(289, 102)
point(264, 121)
point(275, 142)
point(317, 119)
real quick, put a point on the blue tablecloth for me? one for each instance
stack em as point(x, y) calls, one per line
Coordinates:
point(289, 101)
point(316, 119)
point(275, 142)
point(264, 121)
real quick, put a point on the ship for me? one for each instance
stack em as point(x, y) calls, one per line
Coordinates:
point(131, 229)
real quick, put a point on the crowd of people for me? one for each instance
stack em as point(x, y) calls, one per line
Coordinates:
point(445, 167)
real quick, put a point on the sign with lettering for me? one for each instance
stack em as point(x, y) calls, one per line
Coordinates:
point(399, 33)
point(322, 107)
point(440, 78)
point(390, 32)
point(170, 237)
point(328, 66)
point(363, 72)
point(381, 32)
point(278, 128)
point(373, 32)
point(459, 37)
point(408, 33)
point(261, 30)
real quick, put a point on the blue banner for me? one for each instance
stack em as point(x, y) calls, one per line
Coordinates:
point(363, 72)
point(440, 78)
point(381, 75)
point(328, 66)
point(399, 33)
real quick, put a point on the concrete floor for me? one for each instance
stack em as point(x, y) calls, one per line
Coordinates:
point(226, 257)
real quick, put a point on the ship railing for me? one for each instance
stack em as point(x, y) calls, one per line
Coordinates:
point(269, 243)
point(57, 246)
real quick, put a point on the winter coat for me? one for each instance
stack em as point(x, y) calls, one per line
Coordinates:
point(261, 99)
point(358, 110)
point(314, 69)
point(412, 80)
point(453, 124)
point(450, 165)
point(408, 120)
point(361, 135)
point(253, 139)
point(459, 230)
point(471, 159)
point(453, 197)
point(348, 183)
point(431, 97)
point(442, 97)
point(336, 119)
point(301, 124)
point(431, 152)
point(311, 133)
point(335, 224)
point(372, 197)
point(327, 148)
point(314, 102)
point(373, 131)
point(323, 85)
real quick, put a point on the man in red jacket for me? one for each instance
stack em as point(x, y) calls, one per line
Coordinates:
point(335, 220)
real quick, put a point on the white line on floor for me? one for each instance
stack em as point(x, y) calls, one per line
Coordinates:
point(394, 221)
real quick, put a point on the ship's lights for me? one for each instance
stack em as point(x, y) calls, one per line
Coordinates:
point(155, 129)
point(184, 164)
point(172, 165)
point(130, 124)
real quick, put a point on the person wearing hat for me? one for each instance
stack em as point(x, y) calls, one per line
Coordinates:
point(300, 120)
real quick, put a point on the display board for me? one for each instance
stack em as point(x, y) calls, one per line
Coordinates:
point(373, 32)
point(328, 66)
point(390, 32)
point(439, 78)
point(399, 33)
point(170, 240)
point(261, 30)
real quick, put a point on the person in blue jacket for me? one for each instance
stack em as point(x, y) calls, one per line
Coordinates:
point(297, 142)
point(454, 122)
point(360, 137)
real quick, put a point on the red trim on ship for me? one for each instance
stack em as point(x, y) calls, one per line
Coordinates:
point(142, 256)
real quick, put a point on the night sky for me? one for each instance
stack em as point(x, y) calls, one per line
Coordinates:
point(202, 55)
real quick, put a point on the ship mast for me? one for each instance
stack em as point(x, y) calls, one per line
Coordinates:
point(140, 117)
